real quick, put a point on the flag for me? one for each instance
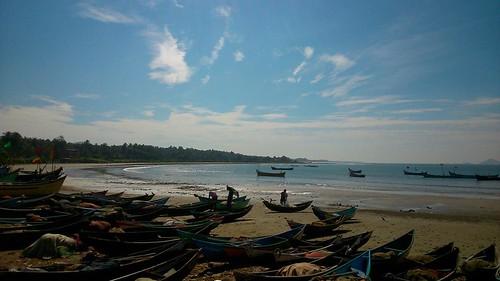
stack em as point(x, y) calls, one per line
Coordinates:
point(36, 160)
point(7, 145)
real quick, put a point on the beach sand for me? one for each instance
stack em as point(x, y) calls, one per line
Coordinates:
point(471, 223)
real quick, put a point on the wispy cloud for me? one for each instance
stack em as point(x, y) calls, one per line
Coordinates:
point(308, 52)
point(205, 79)
point(299, 68)
point(168, 65)
point(223, 11)
point(273, 116)
point(339, 61)
point(343, 86)
point(87, 96)
point(177, 4)
point(373, 101)
point(106, 15)
point(149, 113)
point(483, 101)
point(215, 51)
point(416, 111)
point(317, 78)
point(239, 56)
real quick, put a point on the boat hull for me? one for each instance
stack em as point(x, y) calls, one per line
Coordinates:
point(32, 188)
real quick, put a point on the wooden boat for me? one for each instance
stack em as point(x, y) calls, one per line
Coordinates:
point(408, 173)
point(224, 216)
point(37, 176)
point(443, 266)
point(206, 199)
point(335, 267)
point(287, 209)
point(99, 269)
point(282, 168)
point(319, 228)
point(388, 257)
point(176, 268)
point(234, 248)
point(323, 215)
point(269, 174)
point(351, 171)
point(335, 244)
point(311, 166)
point(186, 209)
point(488, 255)
point(356, 175)
point(21, 202)
point(461, 176)
point(431, 176)
point(235, 205)
point(34, 188)
point(117, 247)
point(487, 178)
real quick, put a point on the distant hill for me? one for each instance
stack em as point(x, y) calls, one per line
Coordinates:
point(490, 162)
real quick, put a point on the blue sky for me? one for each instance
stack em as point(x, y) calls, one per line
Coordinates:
point(385, 81)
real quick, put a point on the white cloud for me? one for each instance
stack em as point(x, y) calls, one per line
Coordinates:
point(223, 11)
point(205, 79)
point(168, 65)
point(416, 110)
point(272, 116)
point(149, 113)
point(177, 4)
point(293, 79)
point(106, 15)
point(239, 56)
point(87, 96)
point(484, 101)
point(308, 52)
point(374, 101)
point(317, 78)
point(299, 68)
point(345, 86)
point(215, 52)
point(341, 62)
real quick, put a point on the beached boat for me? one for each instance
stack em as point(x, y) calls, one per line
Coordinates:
point(240, 204)
point(270, 174)
point(176, 268)
point(408, 173)
point(336, 244)
point(319, 228)
point(234, 248)
point(282, 168)
point(487, 178)
point(99, 269)
point(322, 215)
point(25, 176)
point(117, 247)
point(34, 188)
point(488, 265)
point(388, 257)
point(206, 199)
point(287, 208)
point(224, 216)
point(186, 209)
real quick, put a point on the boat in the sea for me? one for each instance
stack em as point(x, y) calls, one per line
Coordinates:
point(287, 208)
point(32, 188)
point(357, 175)
point(409, 173)
point(354, 171)
point(487, 178)
point(311, 166)
point(282, 168)
point(461, 176)
point(270, 174)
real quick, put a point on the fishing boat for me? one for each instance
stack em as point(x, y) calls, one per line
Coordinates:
point(176, 268)
point(282, 168)
point(240, 204)
point(335, 244)
point(287, 208)
point(322, 215)
point(25, 176)
point(487, 256)
point(116, 247)
point(487, 178)
point(357, 175)
point(186, 209)
point(354, 171)
point(388, 257)
point(319, 228)
point(408, 173)
point(311, 166)
point(34, 188)
point(224, 216)
point(461, 176)
point(270, 174)
point(206, 199)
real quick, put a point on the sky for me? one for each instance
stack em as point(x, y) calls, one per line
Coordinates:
point(375, 81)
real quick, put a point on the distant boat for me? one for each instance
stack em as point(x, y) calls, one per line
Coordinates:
point(354, 171)
point(431, 176)
point(282, 168)
point(269, 174)
point(356, 175)
point(414, 173)
point(311, 166)
point(460, 176)
point(488, 178)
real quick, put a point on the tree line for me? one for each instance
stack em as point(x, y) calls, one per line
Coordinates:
point(15, 148)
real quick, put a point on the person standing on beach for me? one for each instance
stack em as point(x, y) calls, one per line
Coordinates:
point(284, 197)
point(232, 192)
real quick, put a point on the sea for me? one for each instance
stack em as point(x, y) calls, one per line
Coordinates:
point(326, 183)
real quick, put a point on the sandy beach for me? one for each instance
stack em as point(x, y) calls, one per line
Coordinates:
point(471, 223)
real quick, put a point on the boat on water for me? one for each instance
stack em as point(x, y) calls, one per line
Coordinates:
point(270, 174)
point(408, 173)
point(282, 168)
point(461, 176)
point(32, 188)
point(488, 178)
point(357, 175)
point(311, 166)
point(354, 171)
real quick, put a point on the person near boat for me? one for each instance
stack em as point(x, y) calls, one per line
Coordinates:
point(284, 198)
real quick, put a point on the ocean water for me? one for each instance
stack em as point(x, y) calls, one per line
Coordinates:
point(303, 182)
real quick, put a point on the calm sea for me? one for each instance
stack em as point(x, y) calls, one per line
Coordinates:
point(302, 181)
